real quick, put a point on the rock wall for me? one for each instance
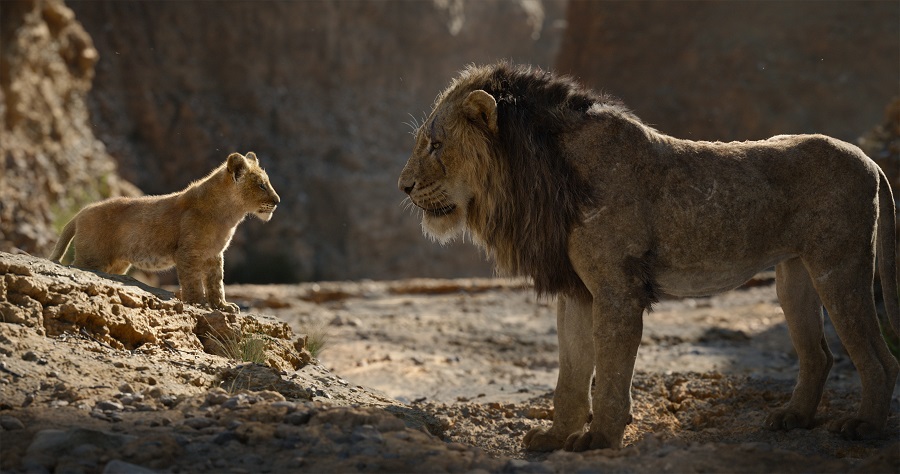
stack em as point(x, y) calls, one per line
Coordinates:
point(740, 70)
point(322, 91)
point(50, 161)
point(161, 92)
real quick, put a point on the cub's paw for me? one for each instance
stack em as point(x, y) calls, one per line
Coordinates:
point(542, 439)
point(230, 308)
point(854, 429)
point(785, 419)
point(578, 442)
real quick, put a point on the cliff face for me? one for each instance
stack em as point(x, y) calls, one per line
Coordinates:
point(322, 91)
point(740, 70)
point(50, 161)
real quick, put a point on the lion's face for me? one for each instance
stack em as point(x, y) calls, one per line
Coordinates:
point(253, 186)
point(442, 174)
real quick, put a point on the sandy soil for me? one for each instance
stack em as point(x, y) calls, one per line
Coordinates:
point(482, 356)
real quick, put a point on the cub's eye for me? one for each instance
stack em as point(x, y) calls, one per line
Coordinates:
point(435, 145)
point(262, 186)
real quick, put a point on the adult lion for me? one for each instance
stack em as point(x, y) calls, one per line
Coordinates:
point(566, 186)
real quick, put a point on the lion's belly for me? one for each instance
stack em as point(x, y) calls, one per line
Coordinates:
point(709, 279)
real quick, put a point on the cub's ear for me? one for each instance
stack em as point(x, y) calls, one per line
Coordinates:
point(252, 156)
point(481, 107)
point(236, 166)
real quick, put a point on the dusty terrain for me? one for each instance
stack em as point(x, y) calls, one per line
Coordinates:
point(414, 376)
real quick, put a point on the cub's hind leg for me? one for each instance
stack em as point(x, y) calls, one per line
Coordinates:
point(803, 312)
point(91, 254)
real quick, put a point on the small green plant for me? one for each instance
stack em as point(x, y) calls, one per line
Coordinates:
point(316, 339)
point(240, 346)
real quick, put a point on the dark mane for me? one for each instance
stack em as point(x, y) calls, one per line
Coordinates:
point(541, 197)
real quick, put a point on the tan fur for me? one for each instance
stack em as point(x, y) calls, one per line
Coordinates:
point(189, 230)
point(568, 187)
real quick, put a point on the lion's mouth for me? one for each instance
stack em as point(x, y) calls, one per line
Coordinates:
point(440, 211)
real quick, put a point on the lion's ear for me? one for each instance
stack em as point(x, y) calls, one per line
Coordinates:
point(252, 156)
point(236, 166)
point(480, 107)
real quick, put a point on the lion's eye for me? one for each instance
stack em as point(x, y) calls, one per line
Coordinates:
point(262, 186)
point(435, 145)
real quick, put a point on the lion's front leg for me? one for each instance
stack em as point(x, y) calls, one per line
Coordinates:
point(215, 288)
point(617, 327)
point(571, 401)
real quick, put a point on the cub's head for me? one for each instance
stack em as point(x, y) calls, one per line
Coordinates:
point(451, 163)
point(254, 190)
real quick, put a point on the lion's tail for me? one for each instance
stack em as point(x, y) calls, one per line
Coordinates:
point(63, 243)
point(888, 252)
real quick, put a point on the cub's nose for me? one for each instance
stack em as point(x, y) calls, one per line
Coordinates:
point(406, 187)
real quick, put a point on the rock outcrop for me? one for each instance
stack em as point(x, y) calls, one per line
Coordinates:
point(125, 314)
point(51, 163)
point(882, 144)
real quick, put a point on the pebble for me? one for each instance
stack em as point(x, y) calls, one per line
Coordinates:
point(126, 388)
point(10, 423)
point(216, 396)
point(30, 356)
point(168, 400)
point(109, 405)
point(118, 467)
point(198, 423)
point(239, 400)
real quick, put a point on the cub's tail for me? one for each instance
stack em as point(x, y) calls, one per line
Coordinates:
point(887, 253)
point(63, 243)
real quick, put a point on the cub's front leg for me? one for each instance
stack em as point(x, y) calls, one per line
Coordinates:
point(616, 331)
point(571, 399)
point(215, 288)
point(190, 277)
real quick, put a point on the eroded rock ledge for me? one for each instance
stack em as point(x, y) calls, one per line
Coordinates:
point(123, 313)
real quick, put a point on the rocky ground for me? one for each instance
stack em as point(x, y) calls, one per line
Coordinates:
point(104, 374)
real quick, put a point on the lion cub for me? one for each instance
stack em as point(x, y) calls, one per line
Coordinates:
point(189, 229)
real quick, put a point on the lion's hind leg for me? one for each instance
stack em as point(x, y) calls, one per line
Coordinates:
point(803, 312)
point(846, 291)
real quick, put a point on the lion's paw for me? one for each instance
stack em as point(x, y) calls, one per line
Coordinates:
point(785, 419)
point(541, 439)
point(854, 428)
point(578, 442)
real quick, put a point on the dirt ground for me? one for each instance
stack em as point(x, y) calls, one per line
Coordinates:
point(482, 356)
point(410, 376)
